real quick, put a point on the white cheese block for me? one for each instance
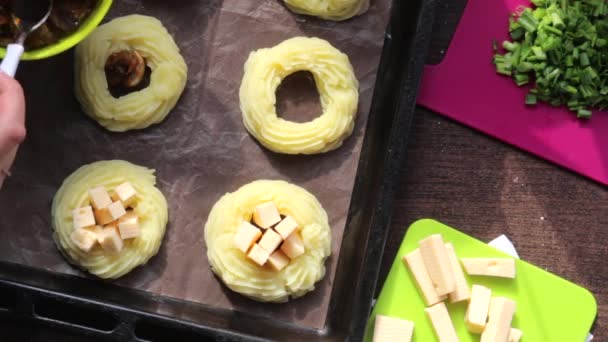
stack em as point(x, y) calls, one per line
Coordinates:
point(246, 236)
point(278, 260)
point(515, 335)
point(84, 239)
point(414, 262)
point(125, 193)
point(270, 241)
point(117, 210)
point(437, 264)
point(266, 215)
point(494, 267)
point(390, 329)
point(477, 312)
point(111, 241)
point(128, 226)
point(462, 291)
point(293, 246)
point(258, 254)
point(98, 231)
point(499, 321)
point(442, 323)
point(102, 216)
point(286, 227)
point(83, 217)
point(99, 198)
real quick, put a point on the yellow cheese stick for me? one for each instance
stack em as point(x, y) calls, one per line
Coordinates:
point(461, 292)
point(442, 323)
point(437, 264)
point(477, 311)
point(515, 335)
point(414, 262)
point(499, 322)
point(390, 329)
point(495, 267)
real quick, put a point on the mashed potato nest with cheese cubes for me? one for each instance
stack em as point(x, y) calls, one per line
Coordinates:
point(239, 271)
point(336, 83)
point(77, 196)
point(118, 54)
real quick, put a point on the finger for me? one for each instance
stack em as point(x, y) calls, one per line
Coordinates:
point(12, 114)
point(5, 164)
point(12, 100)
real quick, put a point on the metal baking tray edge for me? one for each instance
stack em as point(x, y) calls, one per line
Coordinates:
point(102, 311)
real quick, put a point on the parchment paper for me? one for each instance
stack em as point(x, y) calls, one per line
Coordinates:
point(200, 152)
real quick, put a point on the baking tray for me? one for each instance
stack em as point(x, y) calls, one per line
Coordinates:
point(106, 311)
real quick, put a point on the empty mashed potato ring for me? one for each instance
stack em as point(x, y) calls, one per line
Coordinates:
point(151, 208)
point(336, 10)
point(336, 83)
point(138, 109)
point(242, 275)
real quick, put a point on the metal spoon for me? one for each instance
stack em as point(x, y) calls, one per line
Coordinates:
point(32, 14)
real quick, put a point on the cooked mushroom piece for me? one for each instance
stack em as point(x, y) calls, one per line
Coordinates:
point(67, 15)
point(125, 69)
point(8, 29)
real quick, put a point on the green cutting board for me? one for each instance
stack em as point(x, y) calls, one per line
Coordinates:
point(549, 308)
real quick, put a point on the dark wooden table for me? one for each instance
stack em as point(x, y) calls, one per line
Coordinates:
point(556, 219)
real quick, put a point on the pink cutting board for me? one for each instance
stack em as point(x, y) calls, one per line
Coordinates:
point(466, 88)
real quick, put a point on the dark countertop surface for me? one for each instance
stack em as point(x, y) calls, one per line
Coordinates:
point(556, 219)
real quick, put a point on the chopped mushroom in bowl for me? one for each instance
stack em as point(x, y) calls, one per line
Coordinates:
point(69, 23)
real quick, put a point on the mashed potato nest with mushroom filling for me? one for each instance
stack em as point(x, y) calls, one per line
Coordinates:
point(244, 276)
point(119, 49)
point(151, 207)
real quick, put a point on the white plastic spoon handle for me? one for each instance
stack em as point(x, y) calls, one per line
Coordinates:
point(11, 60)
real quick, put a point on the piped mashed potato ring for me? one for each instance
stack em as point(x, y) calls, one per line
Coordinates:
point(336, 10)
point(151, 207)
point(244, 276)
point(336, 83)
point(138, 109)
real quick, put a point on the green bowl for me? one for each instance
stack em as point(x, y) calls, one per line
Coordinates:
point(66, 43)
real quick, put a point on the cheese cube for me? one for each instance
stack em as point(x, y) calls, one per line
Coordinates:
point(246, 236)
point(495, 267)
point(266, 215)
point(416, 265)
point(278, 260)
point(270, 241)
point(98, 231)
point(286, 227)
point(128, 226)
point(499, 322)
point(83, 217)
point(117, 210)
point(390, 329)
point(125, 193)
point(515, 335)
point(477, 311)
point(83, 239)
point(442, 323)
point(258, 254)
point(461, 292)
point(437, 264)
point(102, 216)
point(293, 246)
point(111, 241)
point(99, 197)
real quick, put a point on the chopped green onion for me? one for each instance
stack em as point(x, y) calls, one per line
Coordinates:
point(560, 49)
point(531, 99)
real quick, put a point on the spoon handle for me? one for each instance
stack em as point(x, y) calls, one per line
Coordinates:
point(11, 60)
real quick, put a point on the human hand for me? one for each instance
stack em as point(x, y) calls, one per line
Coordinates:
point(12, 122)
